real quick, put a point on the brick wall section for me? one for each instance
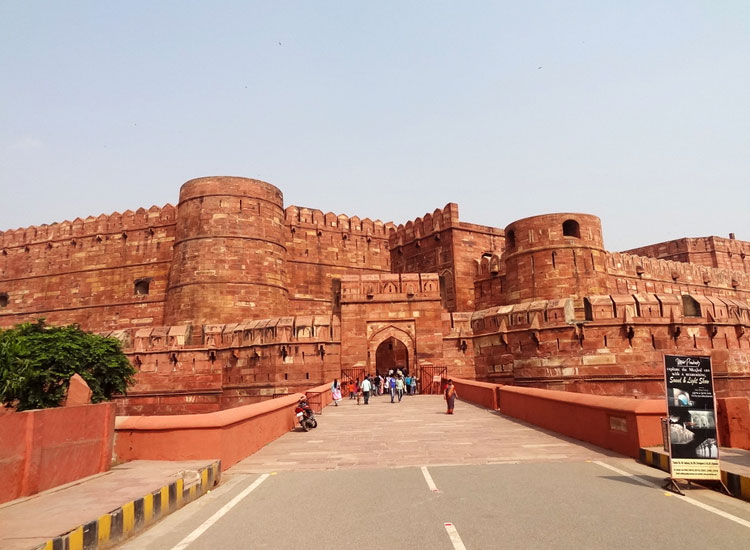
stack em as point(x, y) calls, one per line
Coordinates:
point(440, 243)
point(706, 251)
point(618, 351)
point(84, 271)
point(323, 247)
point(233, 364)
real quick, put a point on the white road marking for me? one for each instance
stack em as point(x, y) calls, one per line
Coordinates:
point(686, 499)
point(213, 519)
point(428, 479)
point(458, 544)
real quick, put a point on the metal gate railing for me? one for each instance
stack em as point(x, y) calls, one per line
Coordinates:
point(315, 400)
point(352, 374)
point(429, 379)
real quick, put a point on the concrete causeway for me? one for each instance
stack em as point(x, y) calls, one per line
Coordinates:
point(408, 476)
point(414, 432)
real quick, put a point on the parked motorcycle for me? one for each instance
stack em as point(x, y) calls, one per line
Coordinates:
point(305, 415)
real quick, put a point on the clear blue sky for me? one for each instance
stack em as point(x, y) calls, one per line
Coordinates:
point(638, 112)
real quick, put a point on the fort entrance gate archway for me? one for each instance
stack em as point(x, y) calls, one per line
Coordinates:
point(391, 355)
point(390, 348)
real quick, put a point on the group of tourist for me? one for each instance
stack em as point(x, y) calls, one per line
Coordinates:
point(395, 385)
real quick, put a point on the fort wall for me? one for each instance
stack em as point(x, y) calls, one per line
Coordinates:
point(440, 243)
point(321, 248)
point(611, 344)
point(87, 271)
point(229, 364)
point(711, 251)
point(231, 299)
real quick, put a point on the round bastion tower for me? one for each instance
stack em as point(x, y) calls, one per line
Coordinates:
point(229, 260)
point(554, 256)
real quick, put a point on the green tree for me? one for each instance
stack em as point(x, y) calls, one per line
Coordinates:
point(37, 362)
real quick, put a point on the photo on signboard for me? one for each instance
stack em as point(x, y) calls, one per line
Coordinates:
point(679, 398)
point(707, 449)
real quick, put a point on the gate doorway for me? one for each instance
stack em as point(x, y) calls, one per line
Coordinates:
point(429, 379)
point(391, 354)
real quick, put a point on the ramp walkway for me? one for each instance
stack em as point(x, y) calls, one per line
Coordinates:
point(414, 432)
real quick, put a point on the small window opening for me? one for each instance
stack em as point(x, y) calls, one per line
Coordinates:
point(307, 376)
point(141, 287)
point(510, 240)
point(571, 229)
point(588, 311)
point(3, 300)
point(690, 306)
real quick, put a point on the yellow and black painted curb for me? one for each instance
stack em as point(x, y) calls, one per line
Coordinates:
point(738, 484)
point(134, 516)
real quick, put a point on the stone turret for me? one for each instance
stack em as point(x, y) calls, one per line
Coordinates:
point(554, 256)
point(229, 257)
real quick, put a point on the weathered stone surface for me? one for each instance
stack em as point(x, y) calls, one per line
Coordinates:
point(79, 392)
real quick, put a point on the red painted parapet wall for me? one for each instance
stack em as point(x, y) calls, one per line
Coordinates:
point(229, 435)
point(480, 393)
point(42, 449)
point(616, 423)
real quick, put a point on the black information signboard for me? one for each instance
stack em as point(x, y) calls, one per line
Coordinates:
point(694, 448)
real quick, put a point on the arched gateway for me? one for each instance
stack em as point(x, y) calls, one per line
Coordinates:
point(390, 348)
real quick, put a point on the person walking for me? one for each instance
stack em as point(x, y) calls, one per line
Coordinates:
point(450, 395)
point(336, 392)
point(353, 389)
point(413, 385)
point(400, 387)
point(366, 388)
point(392, 387)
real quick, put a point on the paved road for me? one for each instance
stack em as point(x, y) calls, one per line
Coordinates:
point(392, 476)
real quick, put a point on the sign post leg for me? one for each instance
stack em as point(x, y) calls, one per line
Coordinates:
point(671, 485)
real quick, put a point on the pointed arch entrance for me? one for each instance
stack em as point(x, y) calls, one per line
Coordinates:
point(389, 348)
point(391, 354)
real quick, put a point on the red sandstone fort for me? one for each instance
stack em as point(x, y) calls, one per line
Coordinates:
point(230, 298)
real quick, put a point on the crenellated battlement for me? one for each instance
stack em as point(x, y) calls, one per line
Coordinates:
point(425, 226)
point(620, 264)
point(301, 217)
point(115, 223)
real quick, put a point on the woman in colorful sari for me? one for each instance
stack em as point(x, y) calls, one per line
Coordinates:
point(450, 396)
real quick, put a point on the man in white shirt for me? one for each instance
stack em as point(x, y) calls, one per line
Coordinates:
point(366, 387)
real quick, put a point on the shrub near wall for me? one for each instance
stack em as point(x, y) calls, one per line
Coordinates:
point(42, 449)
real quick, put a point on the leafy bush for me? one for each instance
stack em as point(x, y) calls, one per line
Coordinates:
point(37, 362)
